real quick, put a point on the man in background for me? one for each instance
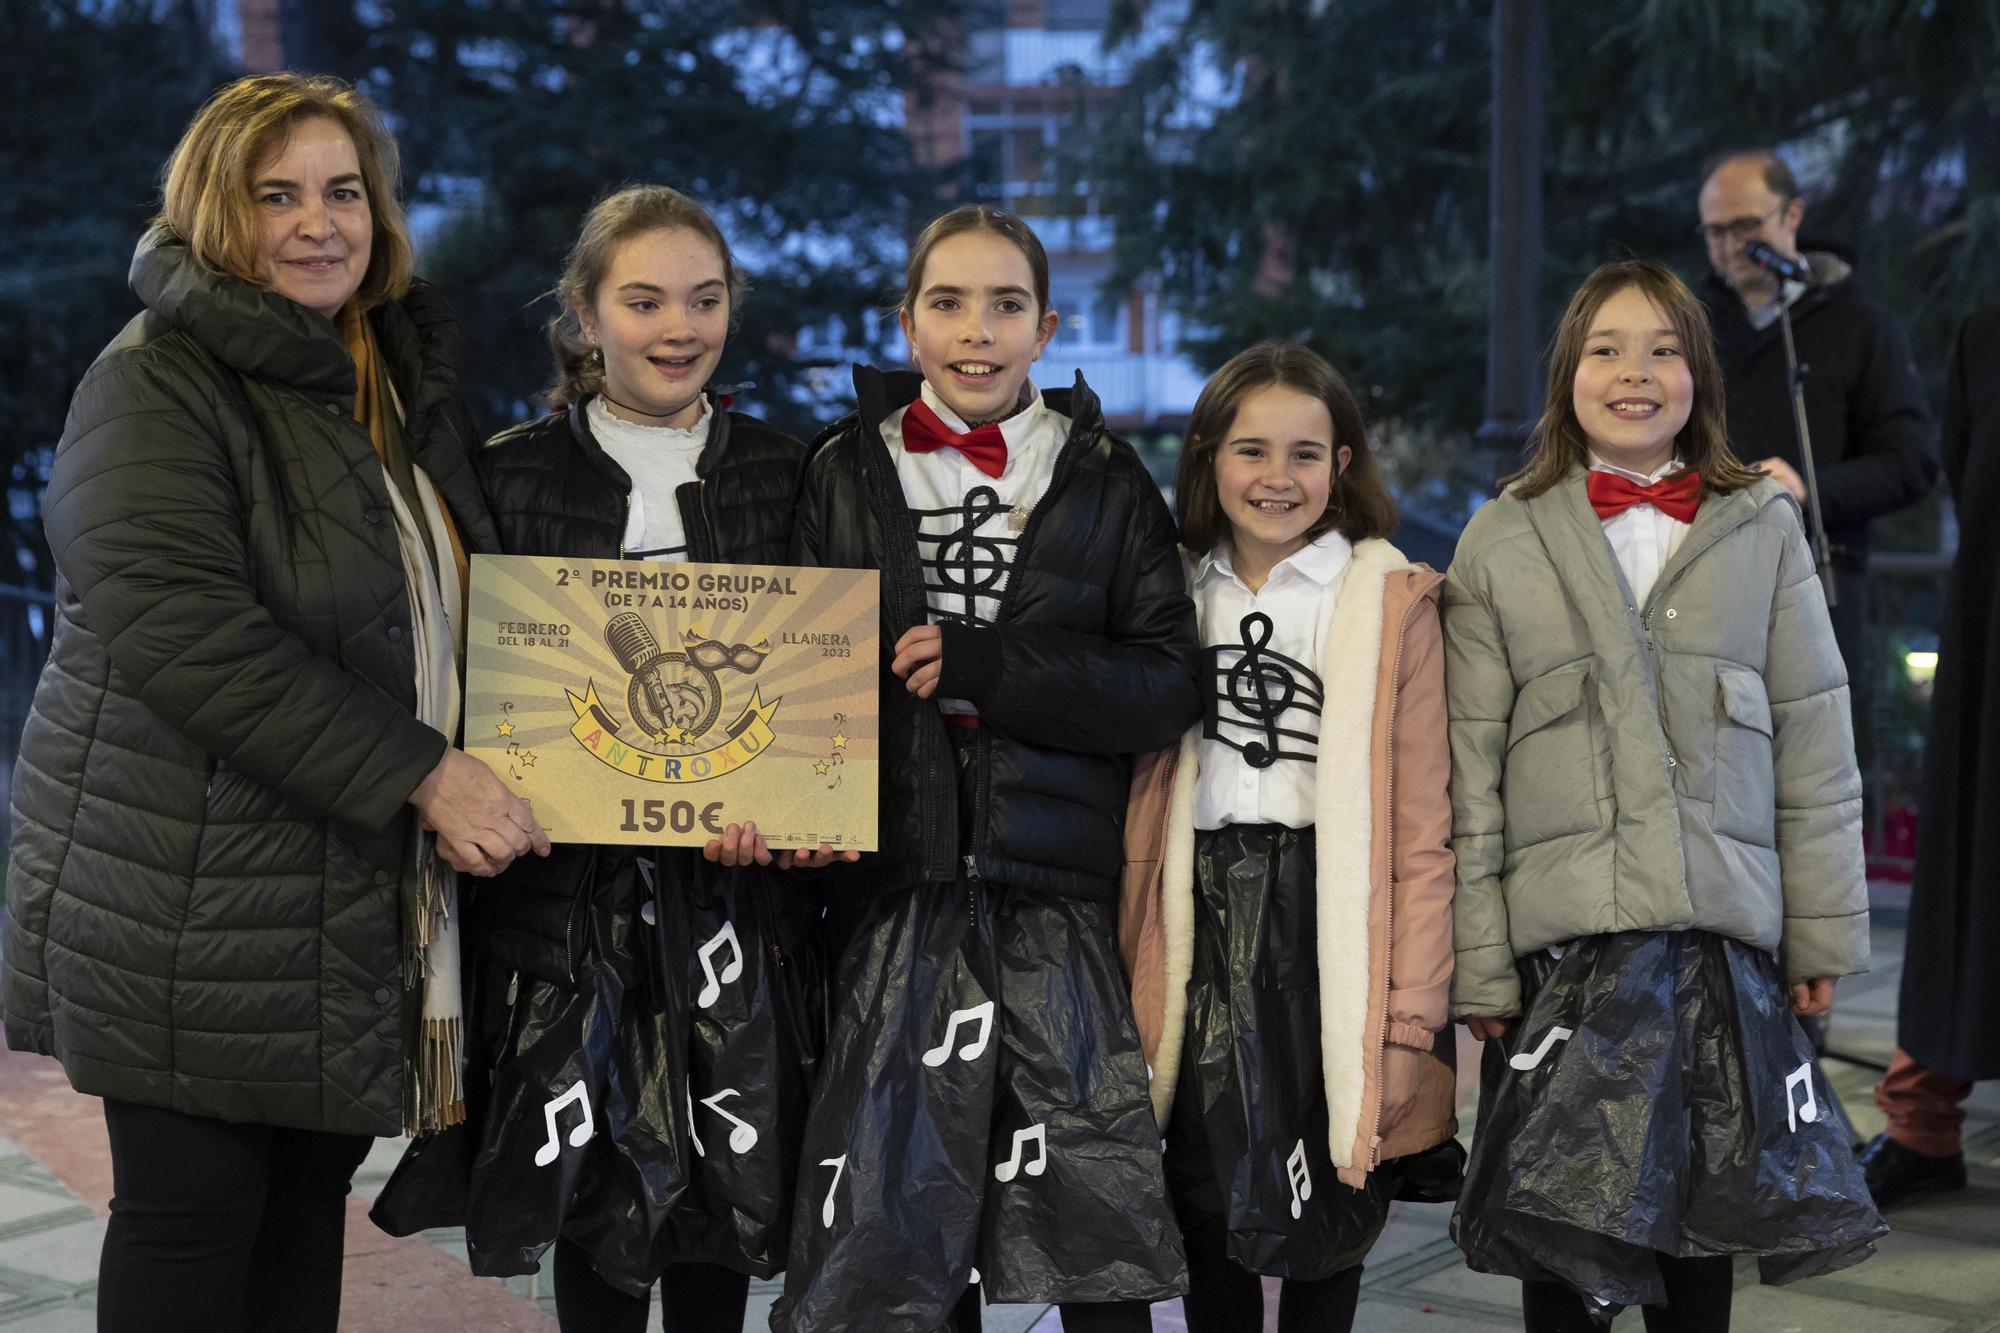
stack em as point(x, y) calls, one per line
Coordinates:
point(1865, 408)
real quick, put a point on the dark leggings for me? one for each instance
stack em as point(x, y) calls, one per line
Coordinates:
point(1077, 1317)
point(694, 1298)
point(1698, 1297)
point(222, 1228)
point(1225, 1297)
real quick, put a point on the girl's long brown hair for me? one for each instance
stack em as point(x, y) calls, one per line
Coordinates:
point(1558, 443)
point(1359, 505)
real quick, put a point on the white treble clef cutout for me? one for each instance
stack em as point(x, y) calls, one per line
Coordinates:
point(982, 1014)
point(711, 991)
point(579, 1136)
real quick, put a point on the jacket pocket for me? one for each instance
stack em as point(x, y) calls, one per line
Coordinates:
point(1556, 753)
point(1745, 794)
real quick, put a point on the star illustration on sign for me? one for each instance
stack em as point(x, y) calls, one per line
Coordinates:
point(673, 734)
point(838, 740)
point(528, 758)
point(505, 728)
point(819, 767)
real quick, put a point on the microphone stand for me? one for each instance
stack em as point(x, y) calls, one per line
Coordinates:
point(1795, 376)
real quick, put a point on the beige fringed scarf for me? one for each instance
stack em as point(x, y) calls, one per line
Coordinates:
point(433, 1071)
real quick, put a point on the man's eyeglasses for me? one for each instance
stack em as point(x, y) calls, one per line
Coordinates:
point(1740, 229)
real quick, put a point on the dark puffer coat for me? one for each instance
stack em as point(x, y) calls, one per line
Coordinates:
point(210, 812)
point(1092, 658)
point(555, 492)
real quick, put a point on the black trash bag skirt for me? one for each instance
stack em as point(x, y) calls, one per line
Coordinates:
point(1247, 1144)
point(1657, 1098)
point(649, 1111)
point(981, 1114)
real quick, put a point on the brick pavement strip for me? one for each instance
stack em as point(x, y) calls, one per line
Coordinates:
point(1938, 1272)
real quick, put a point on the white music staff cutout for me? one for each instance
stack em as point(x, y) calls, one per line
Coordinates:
point(981, 1014)
point(579, 1136)
point(742, 1138)
point(711, 990)
point(839, 1164)
point(1529, 1059)
point(1298, 1178)
point(1809, 1111)
point(1038, 1135)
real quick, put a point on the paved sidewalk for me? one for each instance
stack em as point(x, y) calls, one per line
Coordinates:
point(1937, 1272)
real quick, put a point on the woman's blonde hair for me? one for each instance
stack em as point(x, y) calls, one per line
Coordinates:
point(613, 220)
point(206, 192)
point(1558, 442)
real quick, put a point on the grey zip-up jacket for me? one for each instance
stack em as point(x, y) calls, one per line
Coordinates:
point(1685, 764)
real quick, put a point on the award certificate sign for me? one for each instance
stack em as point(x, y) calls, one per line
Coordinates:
point(642, 702)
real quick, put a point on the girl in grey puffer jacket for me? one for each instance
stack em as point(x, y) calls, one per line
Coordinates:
point(1656, 816)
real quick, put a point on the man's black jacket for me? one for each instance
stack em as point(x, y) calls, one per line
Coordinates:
point(1872, 440)
point(1090, 660)
point(555, 492)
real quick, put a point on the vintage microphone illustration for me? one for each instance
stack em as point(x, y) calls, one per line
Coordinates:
point(640, 654)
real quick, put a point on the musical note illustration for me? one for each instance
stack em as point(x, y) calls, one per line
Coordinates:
point(579, 1136)
point(1809, 1110)
point(742, 1138)
point(1529, 1059)
point(962, 560)
point(1035, 1134)
point(980, 1013)
point(1255, 692)
point(1297, 1177)
point(839, 1164)
point(975, 1277)
point(694, 1133)
point(711, 991)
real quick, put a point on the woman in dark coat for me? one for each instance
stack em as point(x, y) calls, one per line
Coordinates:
point(1948, 1031)
point(230, 917)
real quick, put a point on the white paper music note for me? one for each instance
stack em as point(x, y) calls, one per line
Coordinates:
point(1529, 1059)
point(579, 1136)
point(1298, 1178)
point(1035, 1134)
point(711, 991)
point(839, 1164)
point(744, 1137)
point(693, 1132)
point(982, 1014)
point(1807, 1112)
point(975, 1277)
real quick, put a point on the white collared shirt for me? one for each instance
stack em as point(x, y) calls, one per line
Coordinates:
point(659, 460)
point(1239, 724)
point(969, 524)
point(1642, 538)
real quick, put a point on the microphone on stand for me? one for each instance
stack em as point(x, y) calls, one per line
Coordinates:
point(1766, 257)
point(1788, 269)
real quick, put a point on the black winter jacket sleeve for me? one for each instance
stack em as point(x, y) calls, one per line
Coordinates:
point(1890, 462)
point(145, 520)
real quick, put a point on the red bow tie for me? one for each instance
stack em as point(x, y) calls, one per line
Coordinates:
point(1677, 496)
point(984, 447)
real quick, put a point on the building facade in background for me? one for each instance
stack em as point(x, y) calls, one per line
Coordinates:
point(994, 126)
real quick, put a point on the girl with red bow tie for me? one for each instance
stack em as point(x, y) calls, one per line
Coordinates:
point(1657, 822)
point(981, 1120)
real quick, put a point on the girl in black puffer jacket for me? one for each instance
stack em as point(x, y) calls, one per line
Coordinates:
point(639, 462)
point(981, 1114)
